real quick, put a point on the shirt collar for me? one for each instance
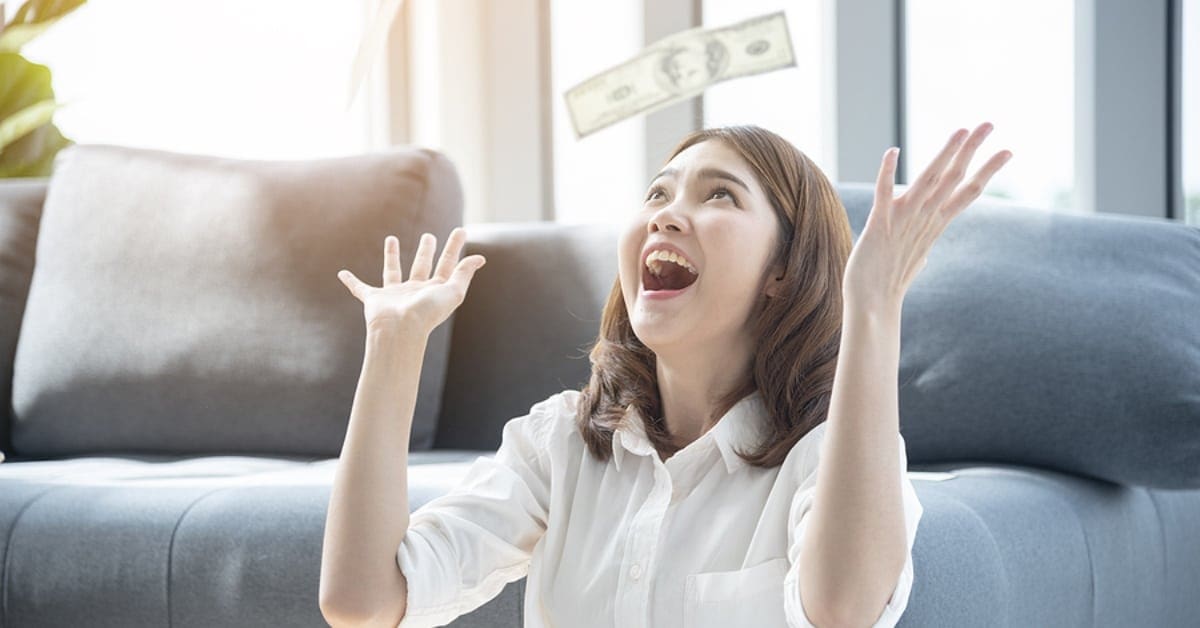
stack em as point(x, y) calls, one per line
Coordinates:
point(740, 428)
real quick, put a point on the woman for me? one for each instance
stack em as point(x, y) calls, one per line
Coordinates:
point(735, 458)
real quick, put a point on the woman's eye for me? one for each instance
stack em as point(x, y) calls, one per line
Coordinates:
point(722, 191)
point(719, 193)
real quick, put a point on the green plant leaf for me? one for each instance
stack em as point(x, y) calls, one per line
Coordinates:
point(33, 155)
point(22, 83)
point(25, 85)
point(13, 37)
point(41, 10)
point(26, 120)
point(32, 19)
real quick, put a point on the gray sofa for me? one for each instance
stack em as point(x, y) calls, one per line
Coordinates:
point(180, 361)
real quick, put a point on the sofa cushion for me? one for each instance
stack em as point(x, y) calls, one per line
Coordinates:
point(1059, 340)
point(1050, 339)
point(1004, 545)
point(158, 540)
point(188, 304)
point(519, 341)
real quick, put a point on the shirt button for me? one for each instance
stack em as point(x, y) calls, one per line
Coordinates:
point(635, 572)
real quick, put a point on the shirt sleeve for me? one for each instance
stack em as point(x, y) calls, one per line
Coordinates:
point(798, 524)
point(464, 546)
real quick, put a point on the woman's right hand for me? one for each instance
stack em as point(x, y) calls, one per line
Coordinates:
point(422, 302)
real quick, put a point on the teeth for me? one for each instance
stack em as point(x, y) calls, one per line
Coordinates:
point(653, 261)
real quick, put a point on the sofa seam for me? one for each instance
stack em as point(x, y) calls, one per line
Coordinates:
point(1039, 481)
point(1087, 543)
point(996, 546)
point(8, 549)
point(171, 545)
point(1162, 533)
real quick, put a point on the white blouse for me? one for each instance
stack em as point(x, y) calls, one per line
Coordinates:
point(703, 539)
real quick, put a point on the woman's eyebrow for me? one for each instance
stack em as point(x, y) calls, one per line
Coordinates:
point(705, 173)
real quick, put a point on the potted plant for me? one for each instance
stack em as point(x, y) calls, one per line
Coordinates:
point(29, 140)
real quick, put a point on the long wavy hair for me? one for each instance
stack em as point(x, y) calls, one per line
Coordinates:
point(798, 332)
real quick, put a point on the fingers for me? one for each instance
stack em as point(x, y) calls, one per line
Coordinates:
point(449, 267)
point(958, 169)
point(971, 191)
point(923, 186)
point(454, 244)
point(885, 180)
point(357, 287)
point(423, 261)
point(887, 174)
point(465, 270)
point(391, 260)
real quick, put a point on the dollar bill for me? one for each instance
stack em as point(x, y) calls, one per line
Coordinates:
point(678, 67)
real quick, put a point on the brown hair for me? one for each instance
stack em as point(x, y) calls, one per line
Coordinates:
point(798, 333)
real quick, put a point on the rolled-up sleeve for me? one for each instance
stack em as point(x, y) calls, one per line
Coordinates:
point(798, 524)
point(463, 547)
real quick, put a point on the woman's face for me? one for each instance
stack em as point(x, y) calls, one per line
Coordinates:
point(706, 204)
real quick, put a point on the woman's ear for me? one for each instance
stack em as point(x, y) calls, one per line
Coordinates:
point(774, 281)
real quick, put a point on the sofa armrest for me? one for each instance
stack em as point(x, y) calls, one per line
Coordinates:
point(21, 201)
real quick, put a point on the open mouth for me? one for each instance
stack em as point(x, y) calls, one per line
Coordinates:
point(671, 277)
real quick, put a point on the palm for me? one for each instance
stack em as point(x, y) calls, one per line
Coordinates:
point(900, 231)
point(424, 301)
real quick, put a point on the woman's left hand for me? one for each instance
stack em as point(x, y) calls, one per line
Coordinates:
point(895, 241)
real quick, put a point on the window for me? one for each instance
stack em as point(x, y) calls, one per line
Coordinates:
point(1191, 111)
point(787, 101)
point(599, 178)
point(263, 79)
point(1011, 63)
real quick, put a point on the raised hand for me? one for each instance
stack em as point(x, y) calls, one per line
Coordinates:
point(423, 302)
point(899, 232)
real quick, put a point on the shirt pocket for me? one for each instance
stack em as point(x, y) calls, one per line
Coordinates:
point(743, 597)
